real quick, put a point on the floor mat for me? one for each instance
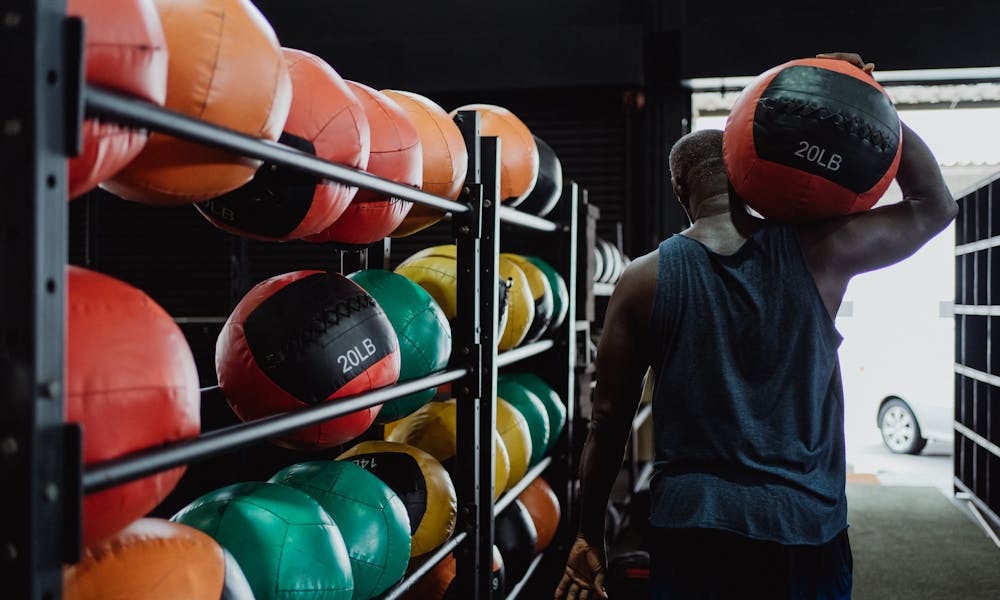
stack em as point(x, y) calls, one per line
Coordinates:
point(913, 543)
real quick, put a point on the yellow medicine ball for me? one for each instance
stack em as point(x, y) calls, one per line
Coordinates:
point(421, 483)
point(433, 429)
point(436, 270)
point(513, 428)
point(541, 295)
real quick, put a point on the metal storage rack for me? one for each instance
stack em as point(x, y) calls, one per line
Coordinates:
point(977, 352)
point(40, 455)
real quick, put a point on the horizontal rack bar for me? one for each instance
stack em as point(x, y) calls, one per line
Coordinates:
point(516, 590)
point(129, 111)
point(517, 354)
point(977, 439)
point(984, 508)
point(109, 473)
point(976, 246)
point(977, 375)
point(510, 495)
point(603, 289)
point(977, 309)
point(528, 221)
point(425, 567)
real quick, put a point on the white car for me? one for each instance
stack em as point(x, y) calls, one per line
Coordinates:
point(907, 421)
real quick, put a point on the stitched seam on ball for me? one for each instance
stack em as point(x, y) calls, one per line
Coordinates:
point(852, 125)
point(215, 64)
point(328, 317)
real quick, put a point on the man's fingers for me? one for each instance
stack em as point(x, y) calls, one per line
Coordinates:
point(584, 593)
point(599, 586)
point(850, 57)
point(561, 588)
point(573, 591)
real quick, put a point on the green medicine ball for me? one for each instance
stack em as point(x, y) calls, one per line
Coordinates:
point(550, 399)
point(284, 541)
point(371, 517)
point(560, 293)
point(422, 328)
point(531, 407)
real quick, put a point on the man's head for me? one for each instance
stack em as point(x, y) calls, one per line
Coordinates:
point(697, 170)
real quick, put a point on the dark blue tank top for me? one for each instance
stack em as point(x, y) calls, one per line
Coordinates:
point(748, 405)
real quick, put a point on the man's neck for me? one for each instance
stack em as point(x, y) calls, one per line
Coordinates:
point(721, 224)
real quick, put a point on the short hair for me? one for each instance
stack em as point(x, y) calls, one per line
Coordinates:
point(697, 156)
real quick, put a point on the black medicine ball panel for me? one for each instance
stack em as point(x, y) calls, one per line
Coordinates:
point(515, 536)
point(827, 124)
point(548, 187)
point(271, 204)
point(313, 336)
point(402, 474)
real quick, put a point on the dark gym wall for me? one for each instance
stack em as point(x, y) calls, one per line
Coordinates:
point(731, 37)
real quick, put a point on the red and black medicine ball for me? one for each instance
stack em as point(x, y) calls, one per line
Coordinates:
point(811, 139)
point(300, 339)
point(326, 120)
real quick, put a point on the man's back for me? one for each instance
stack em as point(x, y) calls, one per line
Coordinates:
point(748, 406)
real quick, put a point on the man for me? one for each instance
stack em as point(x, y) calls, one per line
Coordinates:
point(736, 318)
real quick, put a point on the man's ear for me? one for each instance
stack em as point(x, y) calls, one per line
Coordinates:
point(678, 186)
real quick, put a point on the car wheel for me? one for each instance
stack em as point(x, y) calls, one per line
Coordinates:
point(900, 429)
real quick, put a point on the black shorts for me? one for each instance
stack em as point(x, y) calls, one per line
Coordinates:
point(703, 564)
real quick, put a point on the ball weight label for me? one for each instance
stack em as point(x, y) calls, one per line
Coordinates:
point(815, 154)
point(356, 355)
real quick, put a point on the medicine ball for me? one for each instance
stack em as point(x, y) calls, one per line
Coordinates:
point(280, 203)
point(131, 383)
point(433, 429)
point(544, 197)
point(560, 293)
point(550, 399)
point(628, 575)
point(516, 435)
point(422, 330)
point(286, 544)
point(421, 483)
point(520, 304)
point(125, 51)
point(518, 152)
point(436, 584)
point(226, 68)
point(396, 154)
point(300, 339)
point(436, 270)
point(515, 536)
point(370, 516)
point(598, 264)
point(541, 294)
point(445, 157)
point(531, 408)
point(543, 507)
point(155, 559)
point(811, 139)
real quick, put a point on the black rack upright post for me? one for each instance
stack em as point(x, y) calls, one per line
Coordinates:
point(477, 238)
point(38, 127)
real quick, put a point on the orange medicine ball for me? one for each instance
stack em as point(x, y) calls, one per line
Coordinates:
point(446, 159)
point(155, 559)
point(126, 53)
point(543, 506)
point(518, 151)
point(279, 204)
point(226, 68)
point(396, 154)
point(131, 384)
